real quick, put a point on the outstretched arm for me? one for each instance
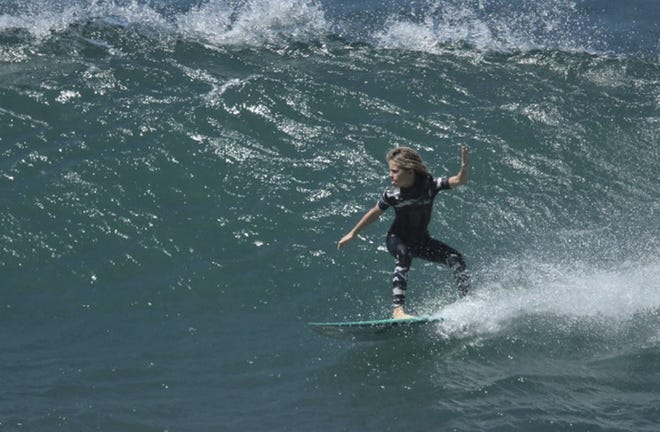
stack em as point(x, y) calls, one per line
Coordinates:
point(369, 217)
point(462, 176)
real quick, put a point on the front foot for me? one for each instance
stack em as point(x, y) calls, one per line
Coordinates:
point(399, 313)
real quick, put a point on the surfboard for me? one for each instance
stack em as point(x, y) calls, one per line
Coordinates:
point(373, 330)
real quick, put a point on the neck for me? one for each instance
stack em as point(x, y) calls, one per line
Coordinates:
point(411, 183)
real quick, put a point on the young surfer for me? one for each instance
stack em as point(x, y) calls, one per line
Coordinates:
point(411, 195)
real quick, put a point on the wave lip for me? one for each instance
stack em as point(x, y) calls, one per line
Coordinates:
point(246, 23)
point(433, 26)
point(522, 26)
point(42, 21)
point(256, 22)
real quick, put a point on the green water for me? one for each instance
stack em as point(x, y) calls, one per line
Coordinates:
point(172, 200)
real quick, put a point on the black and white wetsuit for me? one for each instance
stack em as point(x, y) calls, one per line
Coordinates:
point(408, 237)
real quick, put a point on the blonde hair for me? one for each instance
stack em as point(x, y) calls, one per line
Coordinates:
point(407, 158)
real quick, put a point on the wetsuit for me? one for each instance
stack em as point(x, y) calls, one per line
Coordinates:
point(408, 237)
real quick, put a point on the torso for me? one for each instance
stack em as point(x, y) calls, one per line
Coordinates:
point(413, 207)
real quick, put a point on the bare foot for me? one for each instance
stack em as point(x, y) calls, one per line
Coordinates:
point(399, 313)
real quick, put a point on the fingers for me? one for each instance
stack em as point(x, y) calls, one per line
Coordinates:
point(464, 150)
point(464, 154)
point(344, 241)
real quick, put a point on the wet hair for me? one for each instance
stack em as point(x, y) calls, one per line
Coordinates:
point(407, 158)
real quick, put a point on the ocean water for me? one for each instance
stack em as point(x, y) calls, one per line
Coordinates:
point(174, 177)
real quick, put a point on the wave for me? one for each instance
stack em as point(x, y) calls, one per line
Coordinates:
point(432, 26)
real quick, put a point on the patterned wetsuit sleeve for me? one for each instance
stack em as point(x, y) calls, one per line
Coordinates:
point(383, 203)
point(441, 183)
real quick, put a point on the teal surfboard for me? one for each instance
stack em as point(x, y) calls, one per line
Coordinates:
point(373, 330)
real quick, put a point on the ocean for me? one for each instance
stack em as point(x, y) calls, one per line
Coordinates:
point(175, 176)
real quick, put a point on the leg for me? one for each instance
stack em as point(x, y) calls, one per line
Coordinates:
point(403, 259)
point(457, 264)
point(436, 251)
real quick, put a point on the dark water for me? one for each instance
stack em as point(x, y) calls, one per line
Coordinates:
point(174, 178)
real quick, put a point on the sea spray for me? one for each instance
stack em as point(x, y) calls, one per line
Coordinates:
point(255, 22)
point(606, 302)
point(505, 26)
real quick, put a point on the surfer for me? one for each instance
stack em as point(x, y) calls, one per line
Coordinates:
point(411, 195)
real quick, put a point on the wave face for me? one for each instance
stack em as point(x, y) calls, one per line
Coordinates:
point(175, 176)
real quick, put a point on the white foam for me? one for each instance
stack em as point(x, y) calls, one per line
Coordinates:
point(607, 298)
point(440, 25)
point(435, 34)
point(446, 25)
point(255, 22)
point(51, 17)
point(40, 22)
point(251, 22)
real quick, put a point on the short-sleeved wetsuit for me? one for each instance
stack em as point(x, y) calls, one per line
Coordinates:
point(408, 237)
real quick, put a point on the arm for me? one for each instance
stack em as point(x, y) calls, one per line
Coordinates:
point(462, 176)
point(369, 217)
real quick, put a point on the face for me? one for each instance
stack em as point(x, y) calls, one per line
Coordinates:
point(401, 177)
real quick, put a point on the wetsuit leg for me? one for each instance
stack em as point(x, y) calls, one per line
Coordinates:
point(436, 251)
point(403, 259)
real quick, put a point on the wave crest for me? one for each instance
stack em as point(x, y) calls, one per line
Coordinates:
point(431, 26)
point(255, 22)
point(523, 26)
